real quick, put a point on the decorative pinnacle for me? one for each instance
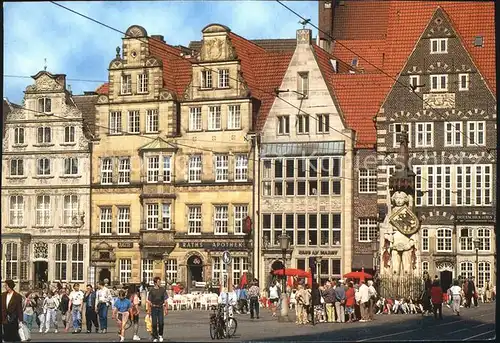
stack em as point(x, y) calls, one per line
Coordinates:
point(45, 64)
point(117, 52)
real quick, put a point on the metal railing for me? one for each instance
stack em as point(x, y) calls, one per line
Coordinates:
point(402, 287)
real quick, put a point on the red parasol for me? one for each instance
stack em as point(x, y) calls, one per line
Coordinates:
point(243, 280)
point(358, 275)
point(295, 272)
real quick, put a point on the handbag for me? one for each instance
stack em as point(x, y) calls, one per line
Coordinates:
point(24, 332)
point(149, 324)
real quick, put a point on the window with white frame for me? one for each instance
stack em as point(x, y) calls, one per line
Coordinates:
point(240, 213)
point(69, 134)
point(115, 123)
point(43, 213)
point(61, 262)
point(126, 84)
point(323, 123)
point(206, 79)
point(171, 270)
point(194, 220)
point(214, 118)
point(195, 119)
point(16, 210)
point(239, 267)
point(283, 125)
point(194, 168)
point(221, 217)
point(221, 168)
point(476, 133)
point(439, 83)
point(105, 220)
point(453, 133)
point(17, 167)
point(444, 240)
point(44, 135)
point(152, 217)
point(45, 105)
point(436, 183)
point(25, 261)
point(43, 167)
point(134, 122)
point(425, 266)
point(124, 170)
point(234, 117)
point(241, 168)
point(125, 270)
point(424, 134)
point(153, 168)
point(71, 166)
point(368, 229)
point(70, 209)
point(414, 83)
point(425, 239)
point(218, 269)
point(152, 121)
point(77, 262)
point(223, 78)
point(106, 171)
point(484, 236)
point(397, 129)
point(12, 261)
point(142, 83)
point(124, 220)
point(466, 243)
point(302, 124)
point(167, 169)
point(166, 216)
point(483, 274)
point(147, 271)
point(466, 270)
point(419, 195)
point(303, 84)
point(463, 82)
point(480, 182)
point(476, 193)
point(19, 135)
point(439, 45)
point(367, 180)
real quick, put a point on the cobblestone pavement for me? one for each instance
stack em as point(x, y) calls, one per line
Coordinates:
point(473, 324)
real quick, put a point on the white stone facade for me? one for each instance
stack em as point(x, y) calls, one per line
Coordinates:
point(45, 187)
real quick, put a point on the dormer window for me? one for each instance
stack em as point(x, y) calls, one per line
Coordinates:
point(439, 46)
point(126, 84)
point(206, 79)
point(45, 105)
point(142, 83)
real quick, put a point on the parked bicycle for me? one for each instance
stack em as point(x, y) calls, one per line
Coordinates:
point(222, 323)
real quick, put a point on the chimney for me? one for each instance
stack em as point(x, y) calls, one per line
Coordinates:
point(158, 37)
point(304, 36)
point(61, 79)
point(325, 19)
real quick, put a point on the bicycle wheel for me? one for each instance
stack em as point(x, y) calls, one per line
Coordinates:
point(128, 324)
point(213, 330)
point(231, 326)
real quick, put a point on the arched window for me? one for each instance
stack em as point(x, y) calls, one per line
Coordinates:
point(484, 273)
point(444, 240)
point(466, 269)
point(484, 239)
point(425, 239)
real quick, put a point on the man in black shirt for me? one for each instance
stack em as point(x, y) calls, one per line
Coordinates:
point(157, 301)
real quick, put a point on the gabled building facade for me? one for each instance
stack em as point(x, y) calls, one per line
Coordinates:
point(449, 111)
point(305, 188)
point(45, 187)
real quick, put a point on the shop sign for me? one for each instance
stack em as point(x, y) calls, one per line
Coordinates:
point(475, 217)
point(213, 245)
point(125, 245)
point(318, 252)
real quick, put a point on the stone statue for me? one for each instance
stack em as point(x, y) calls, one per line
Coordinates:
point(401, 229)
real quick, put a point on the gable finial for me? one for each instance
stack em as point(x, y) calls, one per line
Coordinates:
point(304, 22)
point(117, 52)
point(45, 64)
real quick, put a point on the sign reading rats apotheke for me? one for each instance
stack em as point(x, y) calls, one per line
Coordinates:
point(213, 245)
point(475, 217)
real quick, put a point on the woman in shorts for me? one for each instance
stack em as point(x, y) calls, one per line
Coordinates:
point(121, 313)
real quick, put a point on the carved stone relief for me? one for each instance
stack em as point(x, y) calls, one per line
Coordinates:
point(165, 95)
point(45, 83)
point(213, 49)
point(102, 99)
point(152, 62)
point(40, 250)
point(439, 100)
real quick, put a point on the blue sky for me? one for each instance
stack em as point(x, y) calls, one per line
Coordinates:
point(82, 49)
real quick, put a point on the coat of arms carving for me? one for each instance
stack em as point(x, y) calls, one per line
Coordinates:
point(405, 221)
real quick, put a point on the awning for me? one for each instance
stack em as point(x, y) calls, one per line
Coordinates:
point(303, 149)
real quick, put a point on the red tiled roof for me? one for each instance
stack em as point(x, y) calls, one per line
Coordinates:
point(371, 50)
point(176, 69)
point(103, 89)
point(360, 97)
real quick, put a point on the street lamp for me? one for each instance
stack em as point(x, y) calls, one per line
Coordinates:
point(284, 245)
point(318, 270)
point(375, 253)
point(165, 260)
point(476, 246)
